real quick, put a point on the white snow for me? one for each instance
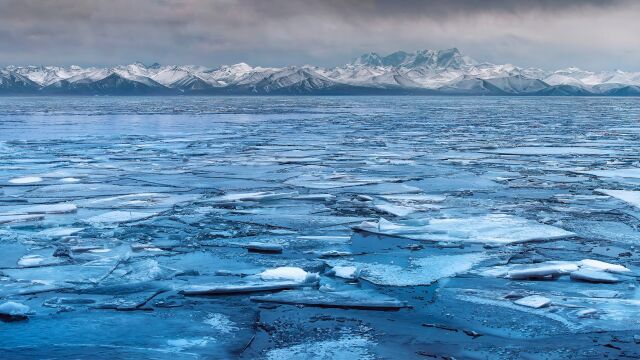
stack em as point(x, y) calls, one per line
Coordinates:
point(58, 232)
point(60, 208)
point(533, 301)
point(609, 173)
point(285, 273)
point(25, 180)
point(492, 229)
point(396, 210)
point(31, 260)
point(345, 272)
point(221, 323)
point(604, 266)
point(14, 308)
point(593, 275)
point(629, 196)
point(257, 196)
point(421, 271)
point(549, 150)
point(9, 219)
point(119, 217)
point(551, 268)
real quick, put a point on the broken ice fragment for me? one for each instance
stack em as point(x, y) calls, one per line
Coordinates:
point(240, 288)
point(345, 272)
point(604, 266)
point(288, 273)
point(628, 196)
point(594, 276)
point(354, 299)
point(550, 150)
point(396, 210)
point(320, 197)
point(13, 311)
point(30, 260)
point(10, 219)
point(542, 270)
point(584, 313)
point(61, 208)
point(119, 217)
point(533, 301)
point(414, 198)
point(603, 294)
point(267, 248)
point(422, 271)
point(491, 229)
point(327, 238)
point(58, 232)
point(69, 180)
point(25, 180)
point(622, 173)
point(257, 196)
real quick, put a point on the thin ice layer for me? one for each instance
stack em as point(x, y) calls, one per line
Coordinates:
point(493, 229)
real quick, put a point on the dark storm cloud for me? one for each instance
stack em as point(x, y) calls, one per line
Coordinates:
point(600, 34)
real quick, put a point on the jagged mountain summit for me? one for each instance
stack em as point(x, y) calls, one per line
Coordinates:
point(428, 72)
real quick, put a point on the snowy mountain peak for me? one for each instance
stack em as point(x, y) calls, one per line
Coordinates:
point(446, 71)
point(431, 59)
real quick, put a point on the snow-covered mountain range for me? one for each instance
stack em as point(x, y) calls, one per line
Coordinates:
point(436, 72)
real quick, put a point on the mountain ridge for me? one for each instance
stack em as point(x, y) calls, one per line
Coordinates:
point(430, 72)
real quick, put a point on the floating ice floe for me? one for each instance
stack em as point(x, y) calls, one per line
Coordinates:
point(275, 279)
point(593, 275)
point(551, 150)
point(69, 180)
point(316, 197)
point(346, 347)
point(614, 173)
point(326, 238)
point(533, 301)
point(112, 217)
point(61, 208)
point(221, 323)
point(241, 288)
point(31, 260)
point(10, 219)
point(288, 273)
point(604, 266)
point(628, 196)
point(491, 229)
point(543, 270)
point(267, 248)
point(414, 198)
point(14, 311)
point(352, 299)
point(584, 270)
point(58, 232)
point(25, 180)
point(332, 181)
point(420, 271)
point(345, 272)
point(396, 210)
point(141, 200)
point(257, 196)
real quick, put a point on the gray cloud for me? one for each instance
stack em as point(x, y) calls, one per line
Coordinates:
point(547, 33)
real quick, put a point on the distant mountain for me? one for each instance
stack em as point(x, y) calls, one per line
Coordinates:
point(14, 83)
point(433, 72)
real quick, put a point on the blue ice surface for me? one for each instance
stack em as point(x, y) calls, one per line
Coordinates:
point(425, 203)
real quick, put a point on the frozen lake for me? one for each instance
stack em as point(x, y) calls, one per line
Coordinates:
point(319, 228)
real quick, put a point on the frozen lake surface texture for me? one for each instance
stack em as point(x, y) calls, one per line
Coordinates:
point(319, 228)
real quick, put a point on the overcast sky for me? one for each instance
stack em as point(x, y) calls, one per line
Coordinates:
point(550, 34)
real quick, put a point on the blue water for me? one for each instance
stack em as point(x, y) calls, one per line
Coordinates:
point(146, 197)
